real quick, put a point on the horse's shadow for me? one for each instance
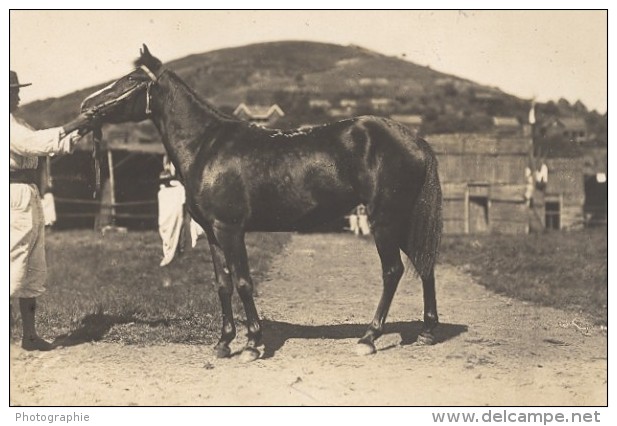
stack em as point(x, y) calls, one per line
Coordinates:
point(276, 333)
point(94, 327)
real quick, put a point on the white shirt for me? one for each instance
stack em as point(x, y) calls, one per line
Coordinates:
point(27, 144)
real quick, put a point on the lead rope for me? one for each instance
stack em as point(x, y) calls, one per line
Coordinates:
point(148, 110)
point(97, 137)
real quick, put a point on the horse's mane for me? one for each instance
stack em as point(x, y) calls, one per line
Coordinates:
point(199, 101)
point(155, 65)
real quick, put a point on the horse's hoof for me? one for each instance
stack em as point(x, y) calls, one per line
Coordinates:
point(222, 351)
point(365, 348)
point(249, 355)
point(425, 339)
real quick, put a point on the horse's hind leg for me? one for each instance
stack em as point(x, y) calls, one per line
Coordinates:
point(386, 240)
point(232, 242)
point(225, 291)
point(431, 319)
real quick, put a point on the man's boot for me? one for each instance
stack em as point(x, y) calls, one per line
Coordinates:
point(30, 340)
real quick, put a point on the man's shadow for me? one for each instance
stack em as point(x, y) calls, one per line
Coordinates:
point(276, 333)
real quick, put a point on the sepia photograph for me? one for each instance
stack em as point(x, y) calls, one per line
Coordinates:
point(285, 208)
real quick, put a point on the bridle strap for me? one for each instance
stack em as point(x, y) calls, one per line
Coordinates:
point(152, 76)
point(98, 109)
point(148, 86)
point(154, 79)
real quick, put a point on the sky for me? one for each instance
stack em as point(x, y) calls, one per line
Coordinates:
point(542, 54)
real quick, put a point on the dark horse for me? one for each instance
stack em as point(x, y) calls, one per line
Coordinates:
point(240, 177)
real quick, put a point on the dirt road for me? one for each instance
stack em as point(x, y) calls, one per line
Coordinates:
point(322, 292)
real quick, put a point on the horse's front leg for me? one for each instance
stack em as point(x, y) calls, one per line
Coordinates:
point(392, 271)
point(231, 239)
point(225, 291)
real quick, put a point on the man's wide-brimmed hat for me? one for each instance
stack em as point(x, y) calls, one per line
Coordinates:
point(14, 81)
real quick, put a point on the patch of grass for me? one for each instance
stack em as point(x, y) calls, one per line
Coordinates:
point(111, 289)
point(567, 270)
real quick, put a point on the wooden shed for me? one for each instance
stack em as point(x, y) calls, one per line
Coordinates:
point(483, 181)
point(577, 191)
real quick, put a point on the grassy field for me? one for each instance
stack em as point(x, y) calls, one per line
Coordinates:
point(562, 269)
point(111, 289)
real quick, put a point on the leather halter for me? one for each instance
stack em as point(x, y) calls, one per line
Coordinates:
point(98, 111)
point(101, 109)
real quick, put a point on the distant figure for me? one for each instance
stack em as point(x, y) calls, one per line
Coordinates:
point(542, 177)
point(529, 186)
point(363, 227)
point(353, 222)
point(358, 221)
point(536, 178)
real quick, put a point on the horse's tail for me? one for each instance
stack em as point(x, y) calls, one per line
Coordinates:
point(426, 220)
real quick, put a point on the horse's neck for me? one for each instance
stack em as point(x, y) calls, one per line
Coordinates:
point(183, 120)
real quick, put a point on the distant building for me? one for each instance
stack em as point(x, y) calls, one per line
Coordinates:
point(348, 104)
point(320, 103)
point(572, 129)
point(259, 114)
point(444, 81)
point(413, 121)
point(377, 81)
point(339, 113)
point(381, 104)
point(509, 126)
point(485, 96)
point(506, 122)
point(488, 99)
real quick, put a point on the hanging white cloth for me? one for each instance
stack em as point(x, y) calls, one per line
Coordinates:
point(196, 232)
point(171, 216)
point(49, 209)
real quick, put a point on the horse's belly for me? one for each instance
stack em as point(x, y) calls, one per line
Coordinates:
point(299, 213)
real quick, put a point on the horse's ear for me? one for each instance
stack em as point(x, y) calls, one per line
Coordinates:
point(145, 51)
point(147, 59)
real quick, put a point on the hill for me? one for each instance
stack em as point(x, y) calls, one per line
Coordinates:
point(290, 73)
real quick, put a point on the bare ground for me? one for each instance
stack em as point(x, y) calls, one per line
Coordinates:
point(322, 292)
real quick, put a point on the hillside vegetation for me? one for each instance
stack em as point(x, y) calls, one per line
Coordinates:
point(291, 73)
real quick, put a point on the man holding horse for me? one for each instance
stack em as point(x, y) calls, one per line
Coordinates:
point(27, 230)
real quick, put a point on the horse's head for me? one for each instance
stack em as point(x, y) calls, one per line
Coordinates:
point(128, 98)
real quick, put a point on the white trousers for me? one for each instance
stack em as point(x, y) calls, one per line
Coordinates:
point(28, 274)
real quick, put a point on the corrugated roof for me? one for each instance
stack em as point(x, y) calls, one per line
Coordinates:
point(259, 111)
point(506, 121)
point(407, 118)
point(566, 122)
point(573, 123)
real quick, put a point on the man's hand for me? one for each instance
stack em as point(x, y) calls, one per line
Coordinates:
point(83, 123)
point(74, 139)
